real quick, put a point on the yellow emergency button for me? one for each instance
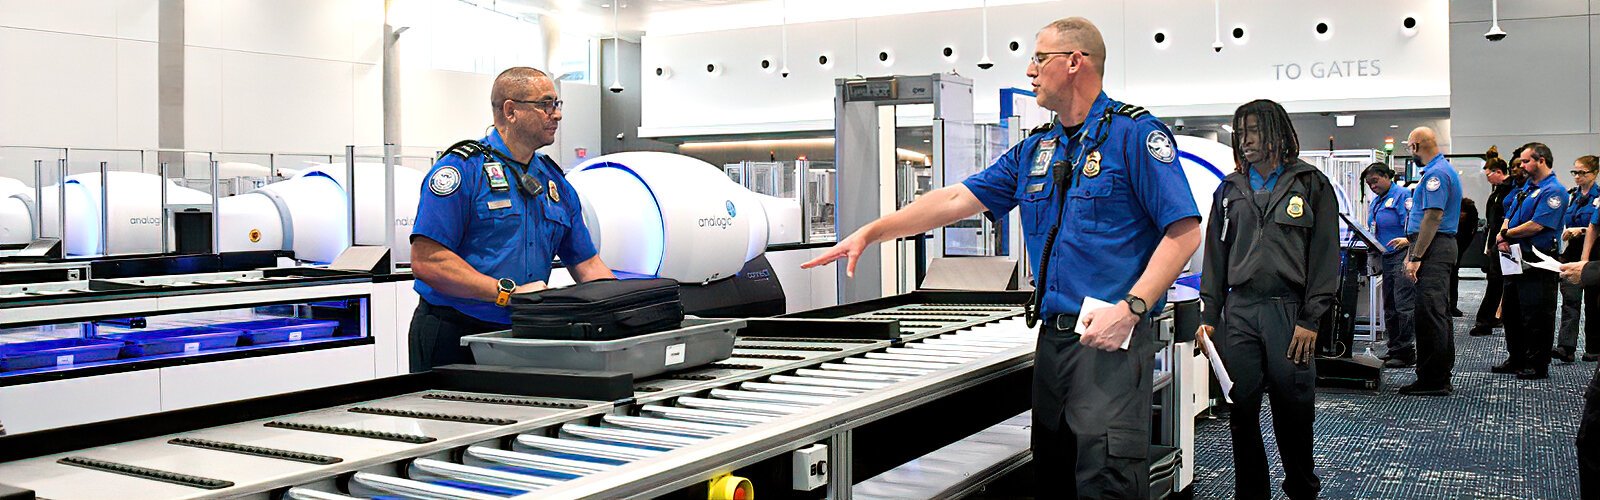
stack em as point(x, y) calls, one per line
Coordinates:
point(731, 487)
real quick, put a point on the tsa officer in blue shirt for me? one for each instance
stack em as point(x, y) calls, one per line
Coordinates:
point(493, 214)
point(1582, 202)
point(1530, 300)
point(1108, 214)
point(1386, 216)
point(1430, 261)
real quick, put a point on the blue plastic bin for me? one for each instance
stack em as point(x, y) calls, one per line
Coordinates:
point(190, 340)
point(61, 352)
point(271, 331)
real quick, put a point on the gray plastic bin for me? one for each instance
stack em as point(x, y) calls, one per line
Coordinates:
point(697, 343)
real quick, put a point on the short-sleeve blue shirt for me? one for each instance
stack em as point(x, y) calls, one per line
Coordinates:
point(1582, 208)
point(1544, 204)
point(1440, 189)
point(1387, 215)
point(1127, 189)
point(502, 233)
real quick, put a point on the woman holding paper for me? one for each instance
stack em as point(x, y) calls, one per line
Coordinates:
point(1270, 272)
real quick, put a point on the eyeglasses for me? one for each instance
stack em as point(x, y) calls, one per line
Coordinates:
point(1576, 173)
point(1039, 58)
point(547, 105)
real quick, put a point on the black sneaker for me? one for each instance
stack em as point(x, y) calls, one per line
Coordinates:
point(1506, 367)
point(1420, 389)
point(1564, 354)
point(1533, 374)
point(1400, 362)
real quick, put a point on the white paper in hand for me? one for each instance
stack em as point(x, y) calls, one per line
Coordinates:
point(1223, 380)
point(1511, 263)
point(1545, 262)
point(1091, 304)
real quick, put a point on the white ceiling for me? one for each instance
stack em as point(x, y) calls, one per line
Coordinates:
point(663, 17)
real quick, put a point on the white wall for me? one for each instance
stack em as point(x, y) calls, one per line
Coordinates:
point(1537, 84)
point(78, 72)
point(282, 75)
point(1183, 77)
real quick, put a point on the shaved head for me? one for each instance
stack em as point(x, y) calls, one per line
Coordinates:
point(1423, 135)
point(1078, 33)
point(1424, 144)
point(514, 83)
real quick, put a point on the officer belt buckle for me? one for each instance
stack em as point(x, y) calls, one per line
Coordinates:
point(1064, 322)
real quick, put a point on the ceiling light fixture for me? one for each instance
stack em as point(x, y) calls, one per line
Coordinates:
point(783, 9)
point(985, 63)
point(1216, 41)
point(616, 53)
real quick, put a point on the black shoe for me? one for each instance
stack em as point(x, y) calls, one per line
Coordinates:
point(1420, 389)
point(1385, 356)
point(1456, 313)
point(1400, 362)
point(1532, 374)
point(1590, 358)
point(1563, 353)
point(1506, 367)
point(1481, 331)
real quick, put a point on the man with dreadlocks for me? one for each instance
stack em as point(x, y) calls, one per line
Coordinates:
point(1270, 271)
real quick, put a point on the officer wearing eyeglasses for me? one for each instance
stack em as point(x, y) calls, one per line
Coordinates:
point(1107, 214)
point(492, 215)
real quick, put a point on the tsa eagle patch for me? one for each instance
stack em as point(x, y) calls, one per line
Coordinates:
point(1553, 201)
point(445, 180)
point(1434, 183)
point(1160, 146)
point(1389, 203)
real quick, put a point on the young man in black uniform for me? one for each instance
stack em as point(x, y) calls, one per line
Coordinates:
point(1494, 170)
point(1270, 272)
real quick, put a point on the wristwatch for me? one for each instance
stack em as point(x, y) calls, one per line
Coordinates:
point(1137, 305)
point(506, 286)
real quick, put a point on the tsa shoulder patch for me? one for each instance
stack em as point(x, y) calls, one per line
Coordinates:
point(1160, 146)
point(1553, 201)
point(445, 181)
point(1434, 183)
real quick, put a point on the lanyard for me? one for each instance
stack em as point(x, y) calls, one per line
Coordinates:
point(526, 182)
point(1036, 302)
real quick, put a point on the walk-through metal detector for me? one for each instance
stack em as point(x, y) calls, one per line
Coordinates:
point(864, 147)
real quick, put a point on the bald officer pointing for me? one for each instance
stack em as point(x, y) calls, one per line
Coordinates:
point(492, 215)
point(1108, 214)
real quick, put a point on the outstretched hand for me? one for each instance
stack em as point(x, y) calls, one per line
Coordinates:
point(849, 248)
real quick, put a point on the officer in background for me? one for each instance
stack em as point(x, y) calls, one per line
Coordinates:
point(1587, 274)
point(1386, 217)
point(1108, 214)
point(1270, 272)
point(492, 215)
point(1494, 171)
point(1581, 202)
point(1431, 259)
point(1530, 300)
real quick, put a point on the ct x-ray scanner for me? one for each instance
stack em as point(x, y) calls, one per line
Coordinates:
point(864, 125)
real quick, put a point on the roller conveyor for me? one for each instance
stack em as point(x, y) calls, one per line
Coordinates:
point(451, 445)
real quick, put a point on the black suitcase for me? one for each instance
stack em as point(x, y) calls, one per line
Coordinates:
point(607, 309)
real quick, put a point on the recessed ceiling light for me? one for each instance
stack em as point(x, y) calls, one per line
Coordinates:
point(605, 6)
point(1393, 126)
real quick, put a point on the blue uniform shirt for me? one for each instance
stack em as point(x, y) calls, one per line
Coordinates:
point(502, 233)
point(1259, 184)
point(1441, 189)
point(1127, 189)
point(1546, 204)
point(1387, 215)
point(1582, 208)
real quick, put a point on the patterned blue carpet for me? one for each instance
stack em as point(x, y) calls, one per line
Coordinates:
point(1496, 437)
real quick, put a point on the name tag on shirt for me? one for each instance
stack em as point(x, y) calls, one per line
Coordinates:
point(499, 204)
point(1034, 188)
point(1041, 158)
